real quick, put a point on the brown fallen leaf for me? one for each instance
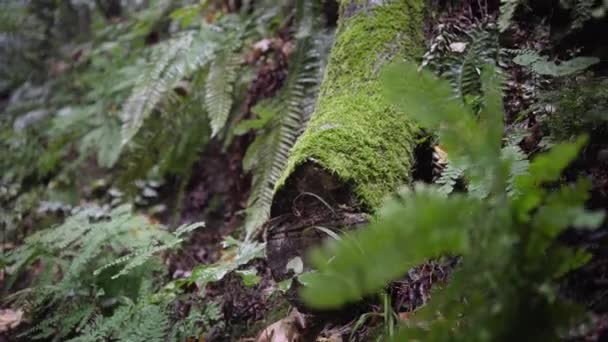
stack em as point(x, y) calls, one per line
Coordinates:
point(288, 329)
point(10, 319)
point(331, 338)
point(404, 316)
point(440, 155)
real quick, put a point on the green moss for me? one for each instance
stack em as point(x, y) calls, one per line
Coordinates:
point(353, 132)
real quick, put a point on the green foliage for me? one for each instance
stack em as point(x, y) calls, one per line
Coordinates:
point(507, 12)
point(457, 57)
point(510, 153)
point(89, 264)
point(582, 11)
point(237, 253)
point(129, 322)
point(506, 238)
point(280, 121)
point(171, 62)
point(198, 320)
point(187, 55)
point(577, 105)
point(543, 66)
point(19, 35)
point(223, 72)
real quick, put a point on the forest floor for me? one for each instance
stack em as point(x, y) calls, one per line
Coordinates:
point(218, 190)
point(247, 311)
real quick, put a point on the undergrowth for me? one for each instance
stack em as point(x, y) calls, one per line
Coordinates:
point(505, 233)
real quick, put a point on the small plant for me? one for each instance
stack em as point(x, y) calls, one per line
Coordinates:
point(505, 288)
point(93, 264)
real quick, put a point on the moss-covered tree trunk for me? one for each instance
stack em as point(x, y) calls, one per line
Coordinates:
point(356, 148)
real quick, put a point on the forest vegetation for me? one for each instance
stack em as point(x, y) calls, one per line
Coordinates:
point(303, 170)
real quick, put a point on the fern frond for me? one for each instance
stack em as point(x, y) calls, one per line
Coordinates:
point(464, 69)
point(187, 228)
point(103, 328)
point(223, 72)
point(89, 240)
point(581, 11)
point(450, 175)
point(457, 54)
point(166, 70)
point(292, 110)
point(147, 323)
point(171, 62)
point(507, 11)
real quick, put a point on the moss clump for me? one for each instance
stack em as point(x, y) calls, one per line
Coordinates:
point(354, 133)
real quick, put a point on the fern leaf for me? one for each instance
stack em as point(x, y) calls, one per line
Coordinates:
point(449, 177)
point(149, 323)
point(171, 62)
point(153, 85)
point(464, 70)
point(187, 228)
point(223, 73)
point(292, 111)
point(507, 11)
point(518, 165)
point(141, 257)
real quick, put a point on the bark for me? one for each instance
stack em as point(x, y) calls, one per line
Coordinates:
point(356, 149)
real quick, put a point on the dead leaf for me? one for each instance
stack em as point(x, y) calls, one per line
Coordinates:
point(288, 329)
point(331, 338)
point(458, 47)
point(263, 45)
point(440, 155)
point(10, 319)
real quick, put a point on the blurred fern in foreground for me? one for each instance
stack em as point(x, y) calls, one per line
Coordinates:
point(505, 233)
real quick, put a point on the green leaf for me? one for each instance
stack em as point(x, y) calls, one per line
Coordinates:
point(548, 167)
point(222, 75)
point(265, 110)
point(541, 64)
point(231, 260)
point(422, 95)
point(507, 11)
point(250, 277)
point(430, 101)
point(364, 261)
point(186, 14)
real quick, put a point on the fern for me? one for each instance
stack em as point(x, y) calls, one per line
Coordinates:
point(450, 175)
point(511, 153)
point(581, 11)
point(461, 68)
point(510, 256)
point(507, 12)
point(172, 61)
point(185, 56)
point(142, 255)
point(104, 327)
point(289, 112)
point(223, 72)
point(82, 260)
point(147, 323)
point(578, 105)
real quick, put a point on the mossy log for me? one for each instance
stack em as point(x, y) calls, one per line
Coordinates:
point(356, 148)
